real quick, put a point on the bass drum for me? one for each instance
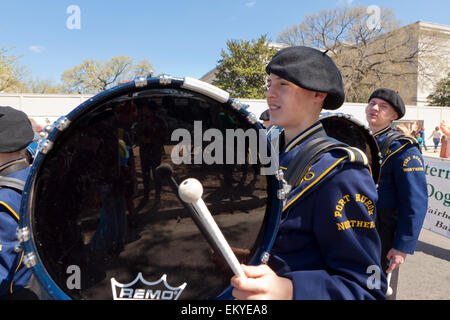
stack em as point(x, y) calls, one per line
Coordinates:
point(97, 222)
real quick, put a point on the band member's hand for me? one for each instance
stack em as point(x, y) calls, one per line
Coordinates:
point(396, 257)
point(262, 284)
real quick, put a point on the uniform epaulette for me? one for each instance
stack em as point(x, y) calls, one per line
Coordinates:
point(299, 170)
point(355, 155)
point(393, 136)
point(312, 150)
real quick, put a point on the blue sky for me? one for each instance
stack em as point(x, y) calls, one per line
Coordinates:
point(181, 38)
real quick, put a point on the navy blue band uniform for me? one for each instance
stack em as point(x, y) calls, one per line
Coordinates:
point(13, 273)
point(327, 240)
point(402, 190)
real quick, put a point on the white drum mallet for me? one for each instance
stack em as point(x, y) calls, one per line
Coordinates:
point(389, 290)
point(191, 191)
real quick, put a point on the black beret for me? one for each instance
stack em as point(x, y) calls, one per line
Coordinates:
point(265, 116)
point(310, 69)
point(16, 131)
point(392, 98)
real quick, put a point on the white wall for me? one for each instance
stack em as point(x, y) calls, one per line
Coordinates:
point(432, 116)
point(39, 107)
point(43, 106)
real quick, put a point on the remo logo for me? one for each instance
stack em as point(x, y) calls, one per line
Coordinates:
point(140, 289)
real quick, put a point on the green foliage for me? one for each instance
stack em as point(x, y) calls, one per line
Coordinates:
point(11, 72)
point(95, 76)
point(441, 95)
point(241, 69)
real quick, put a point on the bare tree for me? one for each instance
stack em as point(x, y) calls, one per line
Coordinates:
point(370, 48)
point(39, 86)
point(11, 72)
point(95, 76)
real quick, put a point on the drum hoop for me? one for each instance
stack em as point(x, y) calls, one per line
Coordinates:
point(51, 133)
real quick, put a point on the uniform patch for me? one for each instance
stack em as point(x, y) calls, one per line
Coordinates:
point(340, 206)
point(355, 224)
point(347, 224)
point(415, 162)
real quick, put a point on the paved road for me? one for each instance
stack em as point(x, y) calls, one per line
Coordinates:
point(426, 274)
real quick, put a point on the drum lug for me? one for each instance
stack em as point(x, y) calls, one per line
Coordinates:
point(23, 234)
point(140, 82)
point(30, 260)
point(283, 192)
point(265, 257)
point(62, 123)
point(45, 146)
point(165, 79)
point(252, 118)
point(279, 175)
point(44, 133)
point(237, 105)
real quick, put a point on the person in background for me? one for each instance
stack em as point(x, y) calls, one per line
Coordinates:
point(16, 133)
point(317, 253)
point(422, 136)
point(402, 189)
point(436, 135)
point(445, 140)
point(265, 118)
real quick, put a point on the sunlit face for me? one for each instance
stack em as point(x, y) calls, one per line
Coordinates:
point(291, 106)
point(379, 114)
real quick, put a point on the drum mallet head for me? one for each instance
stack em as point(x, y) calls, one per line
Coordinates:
point(190, 190)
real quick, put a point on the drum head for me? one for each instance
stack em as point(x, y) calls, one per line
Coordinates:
point(104, 226)
point(350, 131)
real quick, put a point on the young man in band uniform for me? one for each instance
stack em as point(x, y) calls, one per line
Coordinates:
point(327, 246)
point(15, 134)
point(402, 191)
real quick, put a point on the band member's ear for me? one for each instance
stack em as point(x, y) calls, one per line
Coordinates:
point(320, 95)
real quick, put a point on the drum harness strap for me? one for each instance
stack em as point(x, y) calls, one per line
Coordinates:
point(12, 183)
point(394, 136)
point(311, 151)
point(32, 290)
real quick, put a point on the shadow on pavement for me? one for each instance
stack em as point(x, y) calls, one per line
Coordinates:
point(435, 251)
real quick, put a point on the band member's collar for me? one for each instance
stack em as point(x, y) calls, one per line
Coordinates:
point(380, 132)
point(316, 129)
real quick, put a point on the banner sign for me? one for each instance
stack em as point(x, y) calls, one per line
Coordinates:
point(437, 171)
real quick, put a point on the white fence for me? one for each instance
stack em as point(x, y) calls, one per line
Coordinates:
point(43, 106)
point(51, 106)
point(431, 115)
